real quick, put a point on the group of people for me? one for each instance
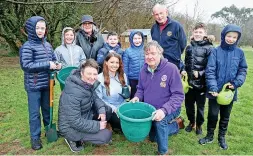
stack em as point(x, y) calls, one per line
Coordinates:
point(93, 92)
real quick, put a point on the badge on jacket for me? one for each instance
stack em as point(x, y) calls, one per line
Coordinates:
point(169, 33)
point(163, 82)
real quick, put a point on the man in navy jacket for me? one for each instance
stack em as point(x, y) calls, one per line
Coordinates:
point(169, 34)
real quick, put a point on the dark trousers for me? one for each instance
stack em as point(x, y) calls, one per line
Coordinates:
point(133, 85)
point(195, 96)
point(111, 117)
point(213, 111)
point(115, 122)
point(108, 113)
point(38, 100)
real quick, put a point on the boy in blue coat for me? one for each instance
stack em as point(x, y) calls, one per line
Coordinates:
point(226, 64)
point(36, 60)
point(111, 45)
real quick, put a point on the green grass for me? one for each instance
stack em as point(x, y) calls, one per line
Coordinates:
point(14, 128)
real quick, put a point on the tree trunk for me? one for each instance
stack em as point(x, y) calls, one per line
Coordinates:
point(14, 49)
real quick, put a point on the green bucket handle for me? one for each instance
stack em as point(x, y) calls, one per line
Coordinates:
point(225, 87)
point(185, 78)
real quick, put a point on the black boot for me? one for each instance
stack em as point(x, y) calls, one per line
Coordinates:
point(190, 127)
point(198, 130)
point(221, 136)
point(36, 144)
point(207, 139)
point(222, 142)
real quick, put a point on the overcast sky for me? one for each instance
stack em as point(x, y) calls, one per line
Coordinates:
point(210, 6)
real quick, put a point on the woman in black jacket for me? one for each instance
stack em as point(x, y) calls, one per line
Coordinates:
point(82, 114)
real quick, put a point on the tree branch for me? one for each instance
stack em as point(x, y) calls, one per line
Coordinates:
point(53, 2)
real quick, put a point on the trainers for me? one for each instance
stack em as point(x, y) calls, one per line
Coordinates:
point(74, 146)
point(222, 143)
point(190, 127)
point(205, 140)
point(36, 144)
point(180, 122)
point(198, 130)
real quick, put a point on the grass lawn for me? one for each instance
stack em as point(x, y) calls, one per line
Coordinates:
point(14, 128)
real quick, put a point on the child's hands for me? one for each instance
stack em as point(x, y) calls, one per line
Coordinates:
point(183, 73)
point(196, 74)
point(230, 86)
point(215, 94)
point(52, 65)
point(58, 66)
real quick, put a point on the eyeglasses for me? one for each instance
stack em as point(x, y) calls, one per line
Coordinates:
point(87, 23)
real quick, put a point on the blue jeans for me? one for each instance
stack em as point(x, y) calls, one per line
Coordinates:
point(161, 130)
point(37, 99)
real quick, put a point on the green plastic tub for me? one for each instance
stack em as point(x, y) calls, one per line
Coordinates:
point(63, 74)
point(136, 120)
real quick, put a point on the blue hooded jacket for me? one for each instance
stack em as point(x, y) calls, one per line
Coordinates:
point(35, 55)
point(102, 53)
point(133, 58)
point(226, 63)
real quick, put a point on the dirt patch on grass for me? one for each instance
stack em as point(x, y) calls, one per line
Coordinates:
point(9, 62)
point(14, 148)
point(3, 114)
point(103, 150)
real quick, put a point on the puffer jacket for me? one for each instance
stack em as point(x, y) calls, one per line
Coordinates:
point(133, 58)
point(78, 103)
point(226, 63)
point(69, 54)
point(103, 52)
point(196, 56)
point(85, 42)
point(35, 55)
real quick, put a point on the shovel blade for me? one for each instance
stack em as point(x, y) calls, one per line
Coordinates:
point(51, 133)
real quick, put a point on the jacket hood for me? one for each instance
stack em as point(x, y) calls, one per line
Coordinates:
point(227, 29)
point(62, 35)
point(131, 40)
point(30, 27)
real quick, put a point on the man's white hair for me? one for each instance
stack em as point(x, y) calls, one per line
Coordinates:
point(160, 6)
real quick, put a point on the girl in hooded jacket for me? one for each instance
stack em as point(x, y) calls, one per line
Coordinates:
point(133, 59)
point(36, 60)
point(68, 53)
